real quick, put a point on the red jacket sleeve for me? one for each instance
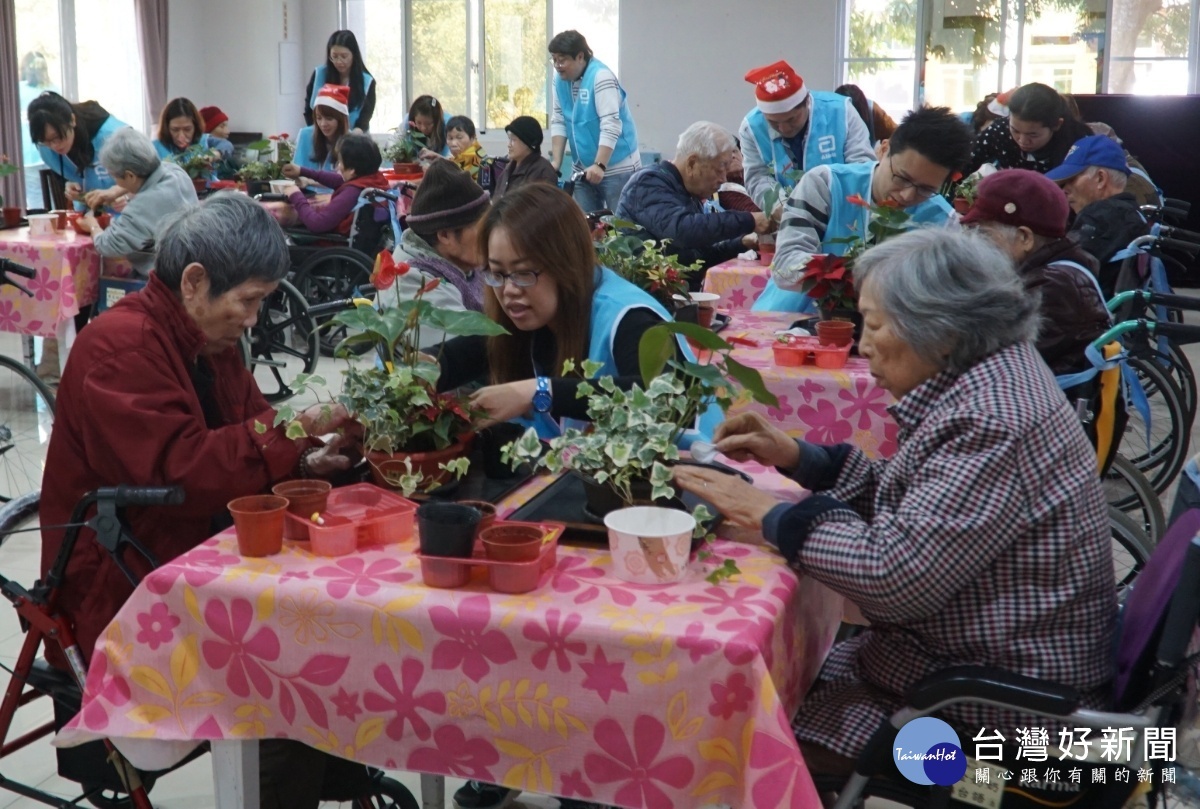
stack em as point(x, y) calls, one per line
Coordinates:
point(158, 439)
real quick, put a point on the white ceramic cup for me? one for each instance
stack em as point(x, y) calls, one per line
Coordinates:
point(705, 299)
point(280, 186)
point(649, 544)
point(42, 224)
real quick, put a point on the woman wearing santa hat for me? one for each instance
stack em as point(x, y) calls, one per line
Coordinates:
point(792, 129)
point(343, 66)
point(315, 144)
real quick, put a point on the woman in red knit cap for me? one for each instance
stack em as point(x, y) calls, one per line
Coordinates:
point(216, 122)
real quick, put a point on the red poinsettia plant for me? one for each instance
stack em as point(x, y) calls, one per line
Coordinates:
point(829, 279)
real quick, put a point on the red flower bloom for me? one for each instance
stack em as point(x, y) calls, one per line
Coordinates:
point(431, 285)
point(856, 199)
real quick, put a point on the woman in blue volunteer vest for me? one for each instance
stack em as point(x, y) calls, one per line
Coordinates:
point(925, 150)
point(69, 138)
point(427, 116)
point(180, 128)
point(557, 305)
point(344, 65)
point(590, 112)
point(791, 130)
point(315, 144)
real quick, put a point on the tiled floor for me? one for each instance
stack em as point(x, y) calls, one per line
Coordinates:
point(190, 787)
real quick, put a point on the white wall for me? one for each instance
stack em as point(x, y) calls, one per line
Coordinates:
point(683, 60)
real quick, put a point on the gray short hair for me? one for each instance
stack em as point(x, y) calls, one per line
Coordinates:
point(129, 150)
point(231, 235)
point(704, 139)
point(949, 289)
point(1116, 178)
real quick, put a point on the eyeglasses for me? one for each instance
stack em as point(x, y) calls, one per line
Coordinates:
point(904, 184)
point(52, 142)
point(521, 278)
point(559, 60)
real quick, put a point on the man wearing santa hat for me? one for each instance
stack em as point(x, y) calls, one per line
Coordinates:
point(792, 130)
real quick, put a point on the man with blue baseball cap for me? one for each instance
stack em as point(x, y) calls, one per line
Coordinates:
point(1094, 175)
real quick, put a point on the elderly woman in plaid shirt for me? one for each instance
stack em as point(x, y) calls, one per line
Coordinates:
point(984, 541)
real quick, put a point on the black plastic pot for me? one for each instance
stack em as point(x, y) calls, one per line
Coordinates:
point(687, 313)
point(602, 498)
point(447, 529)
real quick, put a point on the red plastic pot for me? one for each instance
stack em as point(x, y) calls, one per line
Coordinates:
point(487, 511)
point(258, 520)
point(512, 543)
point(384, 465)
point(835, 332)
point(12, 217)
point(338, 536)
point(305, 498)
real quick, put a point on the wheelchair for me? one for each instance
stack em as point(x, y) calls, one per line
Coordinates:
point(107, 780)
point(329, 267)
point(1159, 619)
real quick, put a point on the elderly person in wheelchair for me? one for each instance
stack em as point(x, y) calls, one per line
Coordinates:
point(984, 540)
point(157, 395)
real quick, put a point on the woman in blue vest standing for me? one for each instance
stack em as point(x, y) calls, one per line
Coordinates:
point(181, 128)
point(557, 304)
point(344, 65)
point(69, 138)
point(827, 207)
point(590, 112)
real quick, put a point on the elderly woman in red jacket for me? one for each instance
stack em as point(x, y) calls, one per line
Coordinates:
point(156, 394)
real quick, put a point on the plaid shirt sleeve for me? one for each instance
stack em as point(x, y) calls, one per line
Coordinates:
point(961, 502)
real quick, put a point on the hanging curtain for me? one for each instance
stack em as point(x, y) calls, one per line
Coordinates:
point(12, 187)
point(152, 41)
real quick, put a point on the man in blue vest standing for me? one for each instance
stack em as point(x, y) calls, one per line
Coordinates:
point(792, 130)
point(829, 204)
point(590, 112)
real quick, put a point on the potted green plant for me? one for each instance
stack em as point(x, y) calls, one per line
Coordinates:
point(12, 216)
point(965, 191)
point(415, 438)
point(198, 162)
point(404, 151)
point(644, 263)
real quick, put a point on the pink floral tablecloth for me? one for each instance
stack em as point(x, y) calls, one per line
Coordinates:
point(818, 405)
point(589, 687)
point(68, 274)
point(738, 282)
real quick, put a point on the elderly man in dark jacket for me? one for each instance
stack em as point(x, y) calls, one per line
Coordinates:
point(1026, 215)
point(670, 201)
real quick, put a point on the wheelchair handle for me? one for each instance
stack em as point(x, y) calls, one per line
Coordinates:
point(123, 496)
point(1190, 248)
point(1180, 332)
point(1149, 298)
point(1173, 232)
point(10, 266)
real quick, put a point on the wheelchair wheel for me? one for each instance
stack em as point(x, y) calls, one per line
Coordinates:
point(284, 329)
point(1128, 491)
point(329, 275)
point(1159, 449)
point(388, 793)
point(105, 798)
point(26, 419)
point(1131, 547)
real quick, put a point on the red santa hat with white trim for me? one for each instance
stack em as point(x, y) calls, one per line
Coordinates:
point(335, 97)
point(778, 88)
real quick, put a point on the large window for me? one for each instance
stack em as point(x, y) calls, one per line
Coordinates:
point(964, 49)
point(485, 59)
point(66, 46)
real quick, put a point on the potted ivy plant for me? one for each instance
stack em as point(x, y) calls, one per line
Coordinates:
point(414, 438)
point(404, 151)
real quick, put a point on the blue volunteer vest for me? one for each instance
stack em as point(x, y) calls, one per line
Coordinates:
point(319, 82)
point(846, 220)
point(825, 144)
point(614, 296)
point(304, 146)
point(94, 177)
point(583, 122)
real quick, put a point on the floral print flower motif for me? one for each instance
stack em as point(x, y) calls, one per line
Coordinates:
point(695, 644)
point(308, 614)
point(574, 572)
point(604, 676)
point(238, 649)
point(776, 768)
point(204, 564)
point(355, 574)
point(9, 316)
point(732, 696)
point(156, 626)
point(101, 688)
point(737, 299)
point(866, 401)
point(781, 412)
point(463, 757)
point(637, 767)
point(573, 784)
point(43, 286)
point(469, 643)
point(462, 702)
point(403, 701)
point(347, 704)
point(741, 601)
point(824, 423)
point(555, 640)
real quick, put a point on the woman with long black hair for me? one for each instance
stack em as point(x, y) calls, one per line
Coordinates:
point(344, 65)
point(1037, 134)
point(69, 137)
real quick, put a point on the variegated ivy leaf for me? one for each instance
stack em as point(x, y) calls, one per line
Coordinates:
point(591, 368)
point(660, 475)
point(661, 493)
point(619, 452)
point(584, 389)
point(259, 427)
point(295, 430)
point(568, 367)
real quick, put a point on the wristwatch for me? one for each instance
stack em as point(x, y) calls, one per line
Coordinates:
point(601, 166)
point(542, 399)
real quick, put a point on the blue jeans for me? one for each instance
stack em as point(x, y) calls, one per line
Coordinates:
point(603, 196)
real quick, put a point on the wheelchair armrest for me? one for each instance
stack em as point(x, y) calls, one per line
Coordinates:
point(995, 686)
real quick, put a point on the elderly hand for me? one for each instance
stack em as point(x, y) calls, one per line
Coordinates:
point(749, 437)
point(107, 196)
point(750, 240)
point(737, 500)
point(320, 419)
point(290, 170)
point(504, 402)
point(428, 155)
point(762, 222)
point(89, 222)
point(73, 191)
